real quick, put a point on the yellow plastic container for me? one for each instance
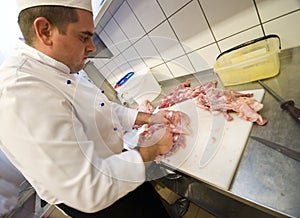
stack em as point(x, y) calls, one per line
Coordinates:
point(251, 61)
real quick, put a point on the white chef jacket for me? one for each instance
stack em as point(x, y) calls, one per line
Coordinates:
point(64, 135)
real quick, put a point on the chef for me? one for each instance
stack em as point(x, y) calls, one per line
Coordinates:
point(63, 134)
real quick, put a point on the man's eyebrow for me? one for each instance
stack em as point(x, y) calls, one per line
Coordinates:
point(88, 33)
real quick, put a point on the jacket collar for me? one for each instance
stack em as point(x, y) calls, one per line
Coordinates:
point(35, 54)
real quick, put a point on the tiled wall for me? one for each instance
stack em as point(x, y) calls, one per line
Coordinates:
point(179, 37)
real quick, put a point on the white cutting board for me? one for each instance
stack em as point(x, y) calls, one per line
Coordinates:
point(220, 169)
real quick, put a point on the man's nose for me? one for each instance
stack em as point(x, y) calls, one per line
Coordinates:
point(91, 46)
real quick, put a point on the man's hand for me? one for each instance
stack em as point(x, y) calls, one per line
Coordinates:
point(159, 143)
point(162, 116)
point(161, 136)
point(159, 117)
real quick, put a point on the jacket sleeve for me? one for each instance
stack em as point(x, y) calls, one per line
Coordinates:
point(39, 139)
point(127, 116)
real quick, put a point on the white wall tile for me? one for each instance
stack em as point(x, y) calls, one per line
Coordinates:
point(131, 54)
point(161, 72)
point(113, 68)
point(105, 71)
point(120, 60)
point(152, 61)
point(128, 23)
point(121, 63)
point(148, 52)
point(138, 66)
point(116, 35)
point(99, 62)
point(181, 66)
point(148, 13)
point(109, 44)
point(205, 58)
point(98, 29)
point(192, 31)
point(134, 59)
point(228, 17)
point(171, 6)
point(114, 5)
point(287, 29)
point(269, 9)
point(240, 38)
point(166, 42)
point(104, 20)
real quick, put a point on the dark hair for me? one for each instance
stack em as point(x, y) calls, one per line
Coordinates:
point(58, 16)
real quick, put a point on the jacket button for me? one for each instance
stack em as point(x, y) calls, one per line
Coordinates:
point(68, 82)
point(102, 104)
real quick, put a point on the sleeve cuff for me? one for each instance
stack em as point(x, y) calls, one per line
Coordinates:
point(127, 116)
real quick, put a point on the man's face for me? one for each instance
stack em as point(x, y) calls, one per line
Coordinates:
point(73, 48)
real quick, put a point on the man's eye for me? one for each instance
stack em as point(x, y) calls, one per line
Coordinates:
point(84, 38)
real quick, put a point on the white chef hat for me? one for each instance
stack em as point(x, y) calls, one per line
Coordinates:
point(82, 4)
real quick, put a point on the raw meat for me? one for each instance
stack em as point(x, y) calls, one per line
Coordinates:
point(225, 101)
point(178, 95)
point(208, 97)
point(146, 107)
point(179, 123)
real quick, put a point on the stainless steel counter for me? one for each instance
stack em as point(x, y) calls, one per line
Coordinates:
point(264, 175)
point(266, 183)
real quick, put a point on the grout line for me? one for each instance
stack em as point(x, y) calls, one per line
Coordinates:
point(237, 33)
point(259, 18)
point(176, 10)
point(209, 26)
point(283, 15)
point(185, 54)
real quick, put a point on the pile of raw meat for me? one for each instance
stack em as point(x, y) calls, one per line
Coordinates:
point(205, 96)
point(208, 97)
point(179, 123)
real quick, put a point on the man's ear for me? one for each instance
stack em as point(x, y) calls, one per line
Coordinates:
point(43, 30)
